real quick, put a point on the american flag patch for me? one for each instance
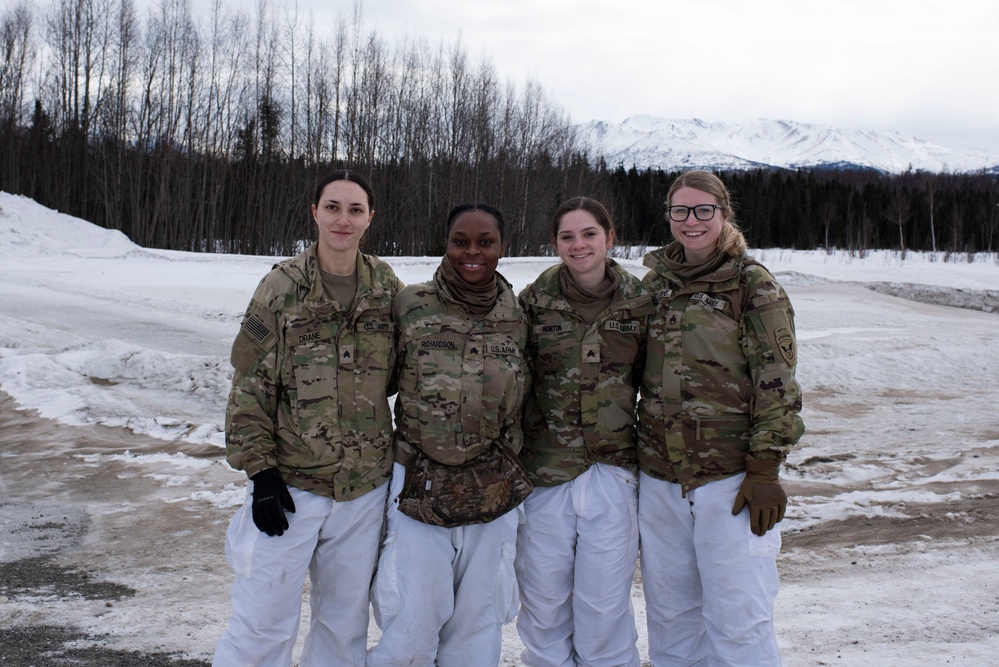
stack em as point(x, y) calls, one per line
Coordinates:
point(256, 328)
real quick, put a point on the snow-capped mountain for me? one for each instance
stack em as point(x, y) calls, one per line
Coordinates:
point(670, 144)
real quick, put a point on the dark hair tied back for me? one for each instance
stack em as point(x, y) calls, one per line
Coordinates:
point(345, 175)
point(485, 208)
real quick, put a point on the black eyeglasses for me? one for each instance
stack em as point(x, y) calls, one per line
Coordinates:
point(702, 212)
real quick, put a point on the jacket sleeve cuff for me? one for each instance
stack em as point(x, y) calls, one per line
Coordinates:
point(762, 465)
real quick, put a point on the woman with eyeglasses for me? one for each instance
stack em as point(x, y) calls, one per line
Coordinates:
point(718, 413)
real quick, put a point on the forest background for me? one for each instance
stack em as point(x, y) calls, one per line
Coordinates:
point(207, 133)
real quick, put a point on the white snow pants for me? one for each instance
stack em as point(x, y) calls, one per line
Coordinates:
point(336, 543)
point(576, 555)
point(442, 595)
point(710, 583)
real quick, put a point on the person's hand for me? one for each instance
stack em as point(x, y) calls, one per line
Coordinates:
point(270, 500)
point(762, 492)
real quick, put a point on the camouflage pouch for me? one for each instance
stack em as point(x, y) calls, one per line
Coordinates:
point(479, 491)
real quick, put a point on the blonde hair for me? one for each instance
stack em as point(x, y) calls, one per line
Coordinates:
point(731, 241)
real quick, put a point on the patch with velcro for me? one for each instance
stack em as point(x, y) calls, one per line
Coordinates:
point(256, 329)
point(778, 327)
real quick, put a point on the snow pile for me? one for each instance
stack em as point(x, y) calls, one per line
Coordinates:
point(31, 230)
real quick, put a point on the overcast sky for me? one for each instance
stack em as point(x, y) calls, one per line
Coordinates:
point(926, 68)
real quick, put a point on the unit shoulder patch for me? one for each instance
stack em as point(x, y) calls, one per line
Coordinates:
point(778, 328)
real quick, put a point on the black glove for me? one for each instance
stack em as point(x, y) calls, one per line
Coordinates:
point(761, 490)
point(270, 493)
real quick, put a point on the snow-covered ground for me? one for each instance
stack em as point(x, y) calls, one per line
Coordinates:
point(890, 538)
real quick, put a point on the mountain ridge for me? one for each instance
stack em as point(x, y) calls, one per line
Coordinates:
point(645, 141)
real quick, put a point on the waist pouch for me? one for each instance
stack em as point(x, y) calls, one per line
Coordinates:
point(487, 487)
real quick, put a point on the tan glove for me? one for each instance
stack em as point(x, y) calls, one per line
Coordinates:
point(761, 490)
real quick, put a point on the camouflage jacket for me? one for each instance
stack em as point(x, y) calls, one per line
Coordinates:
point(461, 378)
point(581, 407)
point(719, 377)
point(309, 392)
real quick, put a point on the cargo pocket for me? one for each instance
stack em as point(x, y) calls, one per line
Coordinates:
point(240, 539)
point(629, 486)
point(314, 357)
point(439, 364)
point(765, 546)
point(385, 599)
point(507, 591)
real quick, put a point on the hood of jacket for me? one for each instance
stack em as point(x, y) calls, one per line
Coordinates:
point(727, 272)
point(303, 270)
point(546, 291)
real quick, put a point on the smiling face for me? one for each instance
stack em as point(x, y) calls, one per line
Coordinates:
point(474, 246)
point(699, 238)
point(343, 215)
point(582, 245)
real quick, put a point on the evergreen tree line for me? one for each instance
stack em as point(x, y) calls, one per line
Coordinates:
point(207, 133)
point(852, 210)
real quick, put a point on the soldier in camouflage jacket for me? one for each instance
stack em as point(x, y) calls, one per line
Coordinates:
point(719, 382)
point(309, 393)
point(581, 408)
point(576, 550)
point(461, 380)
point(309, 422)
point(719, 411)
point(441, 594)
